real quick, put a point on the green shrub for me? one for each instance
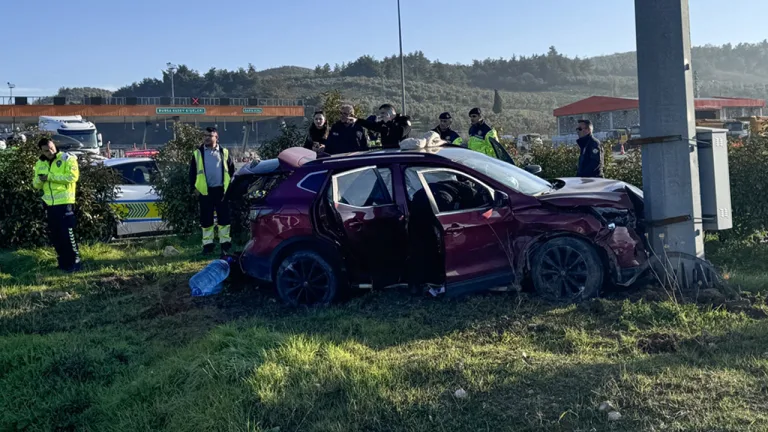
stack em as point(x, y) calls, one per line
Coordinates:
point(290, 136)
point(748, 168)
point(178, 202)
point(22, 215)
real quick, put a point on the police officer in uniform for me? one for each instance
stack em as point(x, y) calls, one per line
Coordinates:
point(445, 131)
point(391, 126)
point(210, 172)
point(591, 152)
point(56, 174)
point(481, 134)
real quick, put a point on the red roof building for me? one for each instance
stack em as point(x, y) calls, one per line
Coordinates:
point(613, 113)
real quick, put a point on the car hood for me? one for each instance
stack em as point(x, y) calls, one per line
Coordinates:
point(577, 191)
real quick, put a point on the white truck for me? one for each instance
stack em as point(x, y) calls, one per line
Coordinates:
point(80, 135)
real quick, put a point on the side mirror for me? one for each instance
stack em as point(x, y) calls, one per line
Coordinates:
point(500, 199)
point(533, 169)
point(98, 138)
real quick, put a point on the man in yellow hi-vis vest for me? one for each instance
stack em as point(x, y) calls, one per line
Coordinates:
point(56, 174)
point(210, 171)
point(481, 134)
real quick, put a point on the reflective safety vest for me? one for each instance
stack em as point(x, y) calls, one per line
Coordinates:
point(480, 136)
point(63, 173)
point(201, 184)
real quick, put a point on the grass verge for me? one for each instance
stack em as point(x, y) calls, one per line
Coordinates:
point(122, 346)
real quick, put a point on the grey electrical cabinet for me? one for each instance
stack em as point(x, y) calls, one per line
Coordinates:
point(714, 178)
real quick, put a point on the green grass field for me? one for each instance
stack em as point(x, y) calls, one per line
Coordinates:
point(122, 346)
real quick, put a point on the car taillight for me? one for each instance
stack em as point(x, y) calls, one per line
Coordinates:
point(259, 212)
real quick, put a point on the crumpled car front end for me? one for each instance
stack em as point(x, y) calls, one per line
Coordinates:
point(617, 212)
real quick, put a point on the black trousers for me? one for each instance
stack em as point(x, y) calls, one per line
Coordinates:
point(61, 233)
point(214, 201)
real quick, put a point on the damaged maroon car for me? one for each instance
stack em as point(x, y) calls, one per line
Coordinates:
point(323, 226)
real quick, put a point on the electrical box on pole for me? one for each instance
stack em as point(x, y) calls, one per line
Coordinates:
point(714, 178)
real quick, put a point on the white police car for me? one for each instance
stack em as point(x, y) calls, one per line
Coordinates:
point(136, 200)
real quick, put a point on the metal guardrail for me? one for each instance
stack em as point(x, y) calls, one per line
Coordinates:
point(159, 101)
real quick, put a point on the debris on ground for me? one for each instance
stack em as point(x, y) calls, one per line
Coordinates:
point(460, 394)
point(170, 251)
point(606, 406)
point(614, 416)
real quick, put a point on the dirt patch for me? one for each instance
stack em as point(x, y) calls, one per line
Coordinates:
point(746, 306)
point(118, 283)
point(659, 343)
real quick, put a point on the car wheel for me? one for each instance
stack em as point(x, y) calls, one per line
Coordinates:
point(305, 278)
point(567, 269)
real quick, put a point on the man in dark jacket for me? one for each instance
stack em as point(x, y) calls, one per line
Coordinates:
point(392, 126)
point(210, 172)
point(445, 131)
point(591, 152)
point(346, 136)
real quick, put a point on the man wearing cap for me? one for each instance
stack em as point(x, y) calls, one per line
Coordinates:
point(445, 131)
point(210, 172)
point(481, 134)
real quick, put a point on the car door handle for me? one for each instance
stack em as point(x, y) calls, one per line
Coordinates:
point(454, 229)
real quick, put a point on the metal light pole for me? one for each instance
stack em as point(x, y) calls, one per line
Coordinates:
point(402, 61)
point(11, 87)
point(171, 70)
point(10, 102)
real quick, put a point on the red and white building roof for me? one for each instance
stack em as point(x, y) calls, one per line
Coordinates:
point(598, 104)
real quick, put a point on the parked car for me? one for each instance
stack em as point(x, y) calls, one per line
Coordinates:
point(323, 226)
point(136, 199)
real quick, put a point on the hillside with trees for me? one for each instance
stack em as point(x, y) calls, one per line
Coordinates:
point(529, 86)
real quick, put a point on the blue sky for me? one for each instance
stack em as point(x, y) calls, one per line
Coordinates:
point(109, 43)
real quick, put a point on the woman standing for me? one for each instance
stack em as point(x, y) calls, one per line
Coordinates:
point(318, 133)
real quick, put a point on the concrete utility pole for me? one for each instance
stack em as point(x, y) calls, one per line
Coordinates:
point(667, 122)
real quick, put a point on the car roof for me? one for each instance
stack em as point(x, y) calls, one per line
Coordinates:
point(443, 152)
point(125, 160)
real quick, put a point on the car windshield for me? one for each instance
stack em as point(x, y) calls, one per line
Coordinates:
point(86, 137)
point(503, 172)
point(66, 142)
point(736, 127)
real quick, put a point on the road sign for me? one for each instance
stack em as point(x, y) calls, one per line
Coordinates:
point(253, 110)
point(179, 111)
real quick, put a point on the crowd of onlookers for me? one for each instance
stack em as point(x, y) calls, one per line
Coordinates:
point(387, 129)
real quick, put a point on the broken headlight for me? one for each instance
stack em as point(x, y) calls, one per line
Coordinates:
point(612, 217)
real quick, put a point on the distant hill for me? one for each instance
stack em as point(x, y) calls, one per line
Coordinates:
point(286, 71)
point(530, 86)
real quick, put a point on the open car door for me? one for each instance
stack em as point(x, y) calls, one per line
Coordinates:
point(472, 229)
point(372, 224)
